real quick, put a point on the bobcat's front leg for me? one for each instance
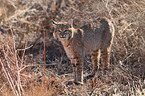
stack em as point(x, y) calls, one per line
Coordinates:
point(77, 64)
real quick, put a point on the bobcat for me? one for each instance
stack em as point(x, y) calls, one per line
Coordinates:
point(95, 38)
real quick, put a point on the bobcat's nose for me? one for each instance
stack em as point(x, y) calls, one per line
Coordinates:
point(62, 35)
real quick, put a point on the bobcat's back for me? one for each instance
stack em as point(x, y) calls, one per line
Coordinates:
point(89, 37)
point(96, 35)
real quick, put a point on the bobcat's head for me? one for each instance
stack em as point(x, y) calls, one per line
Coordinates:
point(64, 30)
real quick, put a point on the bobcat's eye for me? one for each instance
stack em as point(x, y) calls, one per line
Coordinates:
point(59, 31)
point(65, 31)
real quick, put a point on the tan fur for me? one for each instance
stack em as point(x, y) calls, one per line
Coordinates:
point(87, 39)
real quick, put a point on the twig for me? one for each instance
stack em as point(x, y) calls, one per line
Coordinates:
point(44, 59)
point(25, 48)
point(9, 79)
point(2, 86)
point(26, 67)
point(18, 74)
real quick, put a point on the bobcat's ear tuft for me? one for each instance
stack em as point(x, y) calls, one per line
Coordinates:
point(73, 31)
point(55, 35)
point(54, 22)
point(70, 22)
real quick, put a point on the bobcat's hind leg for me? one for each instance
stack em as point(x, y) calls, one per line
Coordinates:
point(105, 58)
point(95, 56)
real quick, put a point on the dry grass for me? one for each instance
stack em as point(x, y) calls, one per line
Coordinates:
point(22, 51)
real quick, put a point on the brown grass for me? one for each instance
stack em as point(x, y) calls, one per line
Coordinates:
point(22, 51)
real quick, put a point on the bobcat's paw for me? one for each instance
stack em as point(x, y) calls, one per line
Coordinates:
point(74, 83)
point(88, 77)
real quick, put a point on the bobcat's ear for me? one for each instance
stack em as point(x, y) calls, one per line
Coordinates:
point(70, 22)
point(54, 22)
point(55, 35)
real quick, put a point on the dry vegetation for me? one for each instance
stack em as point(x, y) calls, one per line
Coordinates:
point(25, 28)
